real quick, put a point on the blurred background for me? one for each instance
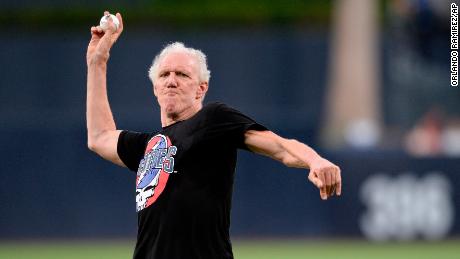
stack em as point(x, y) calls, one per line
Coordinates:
point(366, 83)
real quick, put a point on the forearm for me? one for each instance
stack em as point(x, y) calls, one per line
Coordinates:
point(323, 174)
point(297, 154)
point(290, 152)
point(98, 114)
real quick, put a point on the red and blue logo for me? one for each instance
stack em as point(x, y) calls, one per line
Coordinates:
point(154, 170)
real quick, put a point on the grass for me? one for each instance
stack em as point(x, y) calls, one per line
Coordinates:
point(300, 249)
point(243, 249)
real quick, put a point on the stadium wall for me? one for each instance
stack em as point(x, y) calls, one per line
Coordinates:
point(52, 186)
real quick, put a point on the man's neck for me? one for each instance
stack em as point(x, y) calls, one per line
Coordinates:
point(169, 119)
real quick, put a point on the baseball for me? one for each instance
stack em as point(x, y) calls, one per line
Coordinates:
point(104, 23)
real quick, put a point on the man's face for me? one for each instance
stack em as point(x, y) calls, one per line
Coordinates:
point(177, 85)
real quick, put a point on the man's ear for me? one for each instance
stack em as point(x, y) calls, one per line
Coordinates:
point(155, 91)
point(202, 89)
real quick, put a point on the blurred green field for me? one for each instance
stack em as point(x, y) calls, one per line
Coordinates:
point(243, 249)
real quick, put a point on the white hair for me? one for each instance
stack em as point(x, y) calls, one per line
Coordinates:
point(204, 73)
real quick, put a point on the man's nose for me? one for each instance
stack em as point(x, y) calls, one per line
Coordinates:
point(172, 80)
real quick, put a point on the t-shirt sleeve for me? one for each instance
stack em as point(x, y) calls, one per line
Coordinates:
point(228, 126)
point(131, 147)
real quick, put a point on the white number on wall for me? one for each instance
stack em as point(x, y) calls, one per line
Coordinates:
point(406, 207)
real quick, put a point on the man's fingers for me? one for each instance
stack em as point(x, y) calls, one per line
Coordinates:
point(327, 183)
point(319, 184)
point(332, 191)
point(102, 40)
point(315, 180)
point(120, 19)
point(111, 28)
point(323, 193)
point(118, 31)
point(338, 189)
point(328, 180)
point(326, 176)
point(333, 184)
point(96, 30)
point(323, 189)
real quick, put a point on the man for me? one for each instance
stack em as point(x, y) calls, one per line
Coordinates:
point(185, 171)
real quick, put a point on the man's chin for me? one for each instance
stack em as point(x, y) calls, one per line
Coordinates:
point(171, 111)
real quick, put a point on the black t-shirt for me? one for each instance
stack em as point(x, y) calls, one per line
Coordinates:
point(184, 183)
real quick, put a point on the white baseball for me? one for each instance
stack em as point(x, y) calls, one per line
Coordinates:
point(104, 23)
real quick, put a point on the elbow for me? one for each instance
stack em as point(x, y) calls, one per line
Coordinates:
point(94, 140)
point(91, 145)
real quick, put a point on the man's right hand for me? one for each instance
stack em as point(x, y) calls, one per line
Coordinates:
point(102, 131)
point(102, 41)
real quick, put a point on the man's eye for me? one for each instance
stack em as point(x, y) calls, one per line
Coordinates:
point(165, 74)
point(182, 74)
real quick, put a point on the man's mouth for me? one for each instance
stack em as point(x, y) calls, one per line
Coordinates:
point(171, 93)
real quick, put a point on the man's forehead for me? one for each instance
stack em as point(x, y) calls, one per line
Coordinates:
point(177, 59)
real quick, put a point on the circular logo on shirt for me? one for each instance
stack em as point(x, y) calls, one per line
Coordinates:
point(154, 170)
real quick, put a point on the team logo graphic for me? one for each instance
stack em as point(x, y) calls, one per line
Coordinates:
point(154, 170)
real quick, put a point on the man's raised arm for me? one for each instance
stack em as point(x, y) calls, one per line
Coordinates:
point(323, 174)
point(102, 131)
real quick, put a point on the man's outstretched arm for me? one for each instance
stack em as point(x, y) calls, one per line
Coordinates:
point(323, 174)
point(102, 131)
